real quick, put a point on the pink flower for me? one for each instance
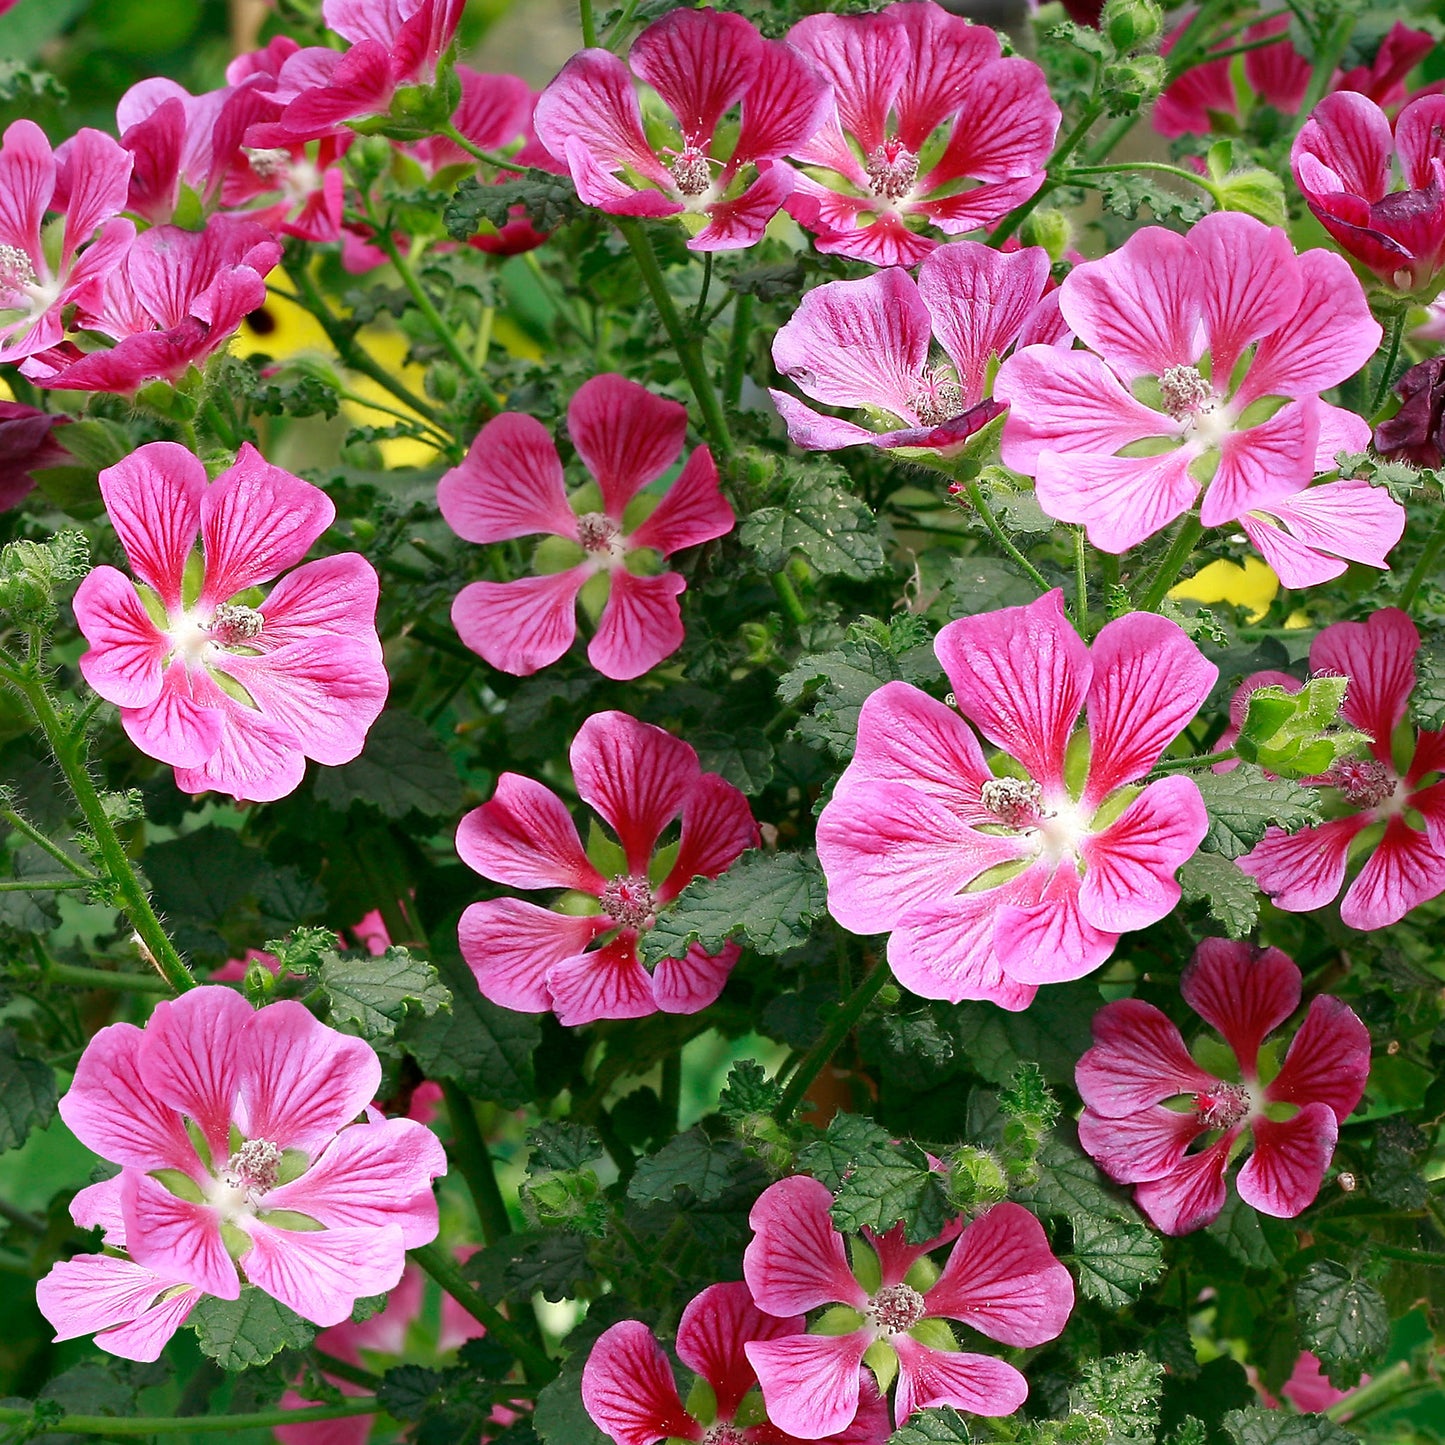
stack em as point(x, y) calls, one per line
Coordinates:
point(1375, 809)
point(1341, 161)
point(1139, 1062)
point(511, 485)
point(629, 1391)
point(867, 344)
point(1000, 1279)
point(228, 1124)
point(369, 934)
point(1212, 349)
point(233, 691)
point(176, 297)
point(969, 139)
point(28, 443)
point(87, 181)
point(701, 63)
point(996, 876)
point(1308, 1388)
point(639, 778)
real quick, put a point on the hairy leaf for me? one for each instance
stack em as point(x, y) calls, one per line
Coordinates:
point(942, 1426)
point(691, 1161)
point(1232, 896)
point(1244, 802)
point(248, 1331)
point(831, 529)
point(403, 767)
point(1115, 1259)
point(1258, 1426)
point(27, 1093)
point(375, 994)
point(1342, 1319)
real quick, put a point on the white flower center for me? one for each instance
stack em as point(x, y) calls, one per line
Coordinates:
point(17, 271)
point(894, 1309)
point(892, 170)
point(599, 534)
point(268, 165)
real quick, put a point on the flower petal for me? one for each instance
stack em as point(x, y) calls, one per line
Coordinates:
point(608, 983)
point(712, 1332)
point(126, 647)
point(176, 1238)
point(510, 945)
point(1328, 1060)
point(1190, 1196)
point(700, 62)
point(1138, 1060)
point(641, 624)
point(525, 837)
point(1303, 870)
point(628, 1389)
point(153, 497)
point(1263, 464)
point(522, 626)
point(811, 1383)
point(626, 436)
point(1378, 657)
point(689, 984)
point(1404, 871)
point(976, 1383)
point(1119, 501)
point(866, 59)
point(796, 1260)
point(1243, 991)
point(692, 512)
point(509, 484)
point(322, 1273)
point(1284, 1174)
point(1137, 1147)
point(123, 1302)
point(717, 828)
point(336, 596)
point(1048, 939)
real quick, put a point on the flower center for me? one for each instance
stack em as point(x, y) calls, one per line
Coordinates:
point(267, 165)
point(1364, 782)
point(628, 901)
point(232, 623)
point(17, 271)
point(597, 532)
point(1186, 393)
point(724, 1435)
point(692, 171)
point(1223, 1106)
point(1014, 801)
point(892, 170)
point(254, 1167)
point(895, 1309)
point(937, 397)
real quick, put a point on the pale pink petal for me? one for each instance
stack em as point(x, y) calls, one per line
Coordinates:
point(1295, 564)
point(322, 1273)
point(1340, 431)
point(717, 827)
point(1149, 682)
point(1284, 1174)
point(1138, 1060)
point(1020, 676)
point(628, 1389)
point(1119, 501)
point(126, 647)
point(810, 1382)
point(301, 1082)
point(976, 1383)
point(525, 837)
point(1303, 870)
point(1325, 527)
point(1418, 143)
point(796, 1260)
point(608, 983)
point(98, 1206)
point(598, 185)
point(256, 759)
point(1190, 1196)
point(177, 727)
point(1378, 657)
point(636, 776)
point(153, 497)
point(509, 484)
point(712, 1332)
point(131, 1305)
point(1140, 306)
point(694, 982)
point(815, 432)
point(733, 224)
point(494, 109)
point(522, 626)
point(177, 1239)
point(641, 624)
point(1051, 940)
point(866, 57)
point(1142, 1146)
point(1328, 1060)
point(333, 595)
point(1262, 465)
point(1405, 870)
point(694, 510)
point(1243, 991)
point(510, 945)
point(626, 436)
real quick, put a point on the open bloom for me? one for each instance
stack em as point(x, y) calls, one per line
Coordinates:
point(931, 128)
point(639, 778)
point(1341, 161)
point(511, 485)
point(1290, 1112)
point(997, 876)
point(44, 275)
point(629, 1391)
point(235, 692)
point(1388, 807)
point(889, 1310)
point(868, 344)
point(701, 63)
point(1207, 354)
point(242, 1155)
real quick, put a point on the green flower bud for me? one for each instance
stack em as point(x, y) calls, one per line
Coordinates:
point(976, 1180)
point(1131, 24)
point(1132, 83)
point(443, 382)
point(1050, 229)
point(362, 456)
point(1258, 193)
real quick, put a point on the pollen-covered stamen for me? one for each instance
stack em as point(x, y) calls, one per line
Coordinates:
point(721, 1434)
point(1014, 801)
point(232, 623)
point(267, 165)
point(1223, 1106)
point(628, 901)
point(1364, 782)
point(254, 1167)
point(895, 1308)
point(892, 170)
point(597, 532)
point(692, 170)
point(1185, 392)
point(17, 270)
point(937, 397)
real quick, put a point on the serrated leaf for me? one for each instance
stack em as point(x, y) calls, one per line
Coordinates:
point(1258, 1426)
point(405, 1391)
point(554, 1262)
point(1124, 1390)
point(1052, 1032)
point(1232, 896)
point(691, 1161)
point(248, 1331)
point(742, 755)
point(375, 993)
point(1071, 1186)
point(832, 529)
point(402, 768)
point(750, 1090)
point(1244, 802)
point(930, 1427)
point(562, 1145)
point(1342, 1319)
point(1427, 702)
point(561, 1418)
point(769, 899)
point(1124, 193)
point(27, 1093)
point(1115, 1259)
point(549, 201)
point(1240, 1230)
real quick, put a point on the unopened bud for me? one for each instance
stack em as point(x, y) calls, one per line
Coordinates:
point(1132, 83)
point(976, 1179)
point(1050, 229)
point(1131, 24)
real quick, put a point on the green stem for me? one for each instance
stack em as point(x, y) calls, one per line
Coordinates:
point(29, 831)
point(1421, 569)
point(440, 1265)
point(1158, 167)
point(1081, 584)
point(788, 596)
point(81, 977)
point(1200, 760)
point(341, 1370)
point(41, 885)
point(193, 1424)
point(1104, 146)
point(1382, 1388)
point(1064, 149)
point(700, 310)
point(1397, 331)
point(737, 358)
point(489, 158)
point(839, 1027)
point(589, 23)
point(475, 1161)
point(68, 752)
point(689, 351)
point(619, 26)
point(995, 528)
point(1190, 531)
point(1329, 54)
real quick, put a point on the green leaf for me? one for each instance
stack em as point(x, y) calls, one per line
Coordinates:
point(1231, 895)
point(1124, 1391)
point(1052, 1032)
point(403, 768)
point(1070, 1185)
point(374, 994)
point(770, 899)
point(562, 1145)
point(1258, 1426)
point(549, 201)
point(554, 1262)
point(561, 1418)
point(248, 1331)
point(1342, 1319)
point(1240, 1230)
point(742, 755)
point(1244, 802)
point(929, 1427)
point(750, 1090)
point(1123, 194)
point(27, 1093)
point(1115, 1259)
point(1427, 702)
point(691, 1161)
point(834, 531)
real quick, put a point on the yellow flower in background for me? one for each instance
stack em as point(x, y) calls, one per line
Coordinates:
point(1250, 584)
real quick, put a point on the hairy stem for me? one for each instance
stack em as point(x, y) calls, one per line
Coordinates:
point(839, 1027)
point(193, 1424)
point(1081, 583)
point(475, 1161)
point(1180, 549)
point(1397, 331)
point(1421, 569)
point(737, 359)
point(975, 496)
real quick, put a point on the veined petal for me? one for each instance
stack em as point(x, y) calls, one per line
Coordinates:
point(176, 1238)
point(689, 984)
point(733, 224)
point(510, 945)
point(717, 828)
point(1189, 1196)
point(126, 647)
point(984, 148)
point(866, 59)
point(784, 106)
point(1050, 939)
point(641, 624)
point(796, 1260)
point(1243, 991)
point(1404, 871)
point(946, 54)
point(626, 436)
point(177, 727)
point(700, 62)
point(811, 1383)
point(712, 1332)
point(525, 837)
point(1263, 464)
point(1119, 501)
point(508, 485)
point(130, 1308)
point(692, 512)
point(628, 1389)
point(1328, 1060)
point(153, 497)
point(1138, 1147)
point(27, 182)
point(332, 596)
point(523, 626)
point(1138, 1060)
point(608, 983)
point(976, 1383)
point(1251, 283)
point(322, 1273)
point(1378, 657)
point(1284, 1174)
point(1303, 870)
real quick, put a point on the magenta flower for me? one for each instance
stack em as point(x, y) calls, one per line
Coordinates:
point(701, 63)
point(1000, 1279)
point(639, 778)
point(242, 1158)
point(28, 443)
point(1290, 1113)
point(969, 136)
point(1390, 812)
point(235, 692)
point(867, 344)
point(629, 1391)
point(38, 282)
point(1341, 161)
point(995, 876)
point(511, 485)
point(1308, 1388)
point(175, 298)
point(1207, 354)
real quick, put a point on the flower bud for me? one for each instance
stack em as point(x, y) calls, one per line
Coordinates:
point(976, 1180)
point(1131, 24)
point(1050, 229)
point(1132, 83)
